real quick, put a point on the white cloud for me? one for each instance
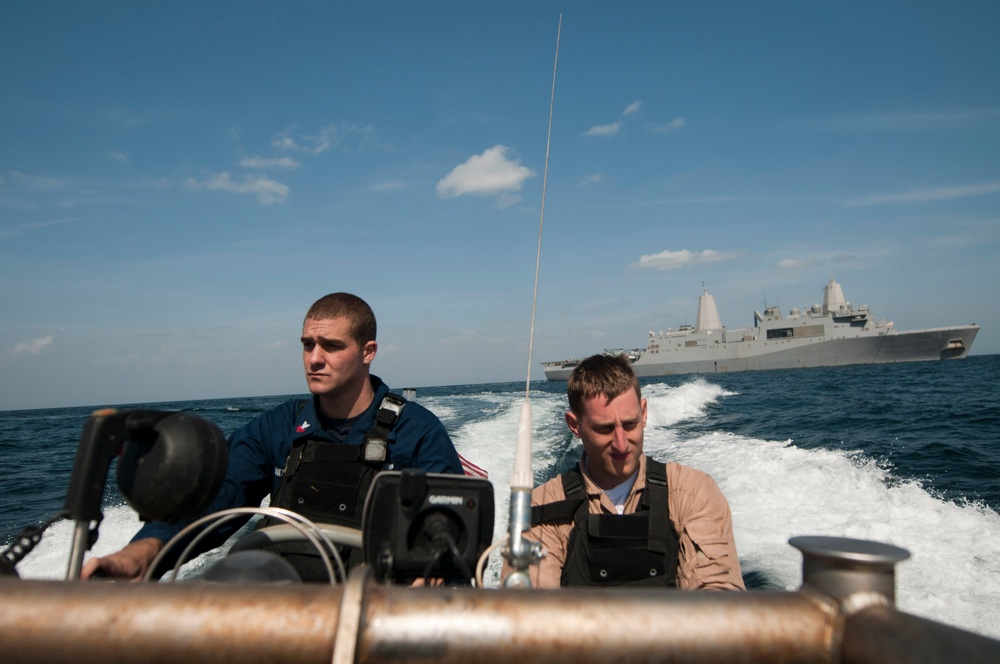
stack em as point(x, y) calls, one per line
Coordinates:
point(388, 185)
point(33, 347)
point(120, 156)
point(488, 174)
point(507, 200)
point(25, 191)
point(674, 260)
point(130, 119)
point(38, 183)
point(267, 191)
point(614, 127)
point(673, 125)
point(269, 162)
point(328, 137)
point(315, 143)
point(590, 180)
point(923, 195)
point(604, 130)
point(23, 228)
point(872, 253)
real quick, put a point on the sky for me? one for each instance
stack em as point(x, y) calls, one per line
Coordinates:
point(180, 180)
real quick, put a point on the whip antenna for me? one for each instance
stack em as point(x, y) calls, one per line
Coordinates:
point(521, 553)
point(541, 220)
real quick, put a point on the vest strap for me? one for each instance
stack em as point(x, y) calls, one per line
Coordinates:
point(655, 499)
point(576, 497)
point(573, 483)
point(376, 445)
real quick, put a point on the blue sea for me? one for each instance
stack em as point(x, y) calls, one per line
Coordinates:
point(907, 454)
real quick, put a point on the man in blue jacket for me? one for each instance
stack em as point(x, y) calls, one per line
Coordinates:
point(315, 456)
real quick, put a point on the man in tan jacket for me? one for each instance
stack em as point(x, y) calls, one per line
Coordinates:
point(622, 518)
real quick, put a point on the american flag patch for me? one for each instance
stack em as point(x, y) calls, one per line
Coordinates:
point(471, 469)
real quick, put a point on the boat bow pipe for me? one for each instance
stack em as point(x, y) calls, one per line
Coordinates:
point(370, 623)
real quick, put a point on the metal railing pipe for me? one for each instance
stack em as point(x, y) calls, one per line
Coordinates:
point(883, 635)
point(594, 626)
point(90, 622)
point(201, 622)
point(198, 623)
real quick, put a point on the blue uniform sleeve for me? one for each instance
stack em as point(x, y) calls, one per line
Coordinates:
point(437, 453)
point(421, 441)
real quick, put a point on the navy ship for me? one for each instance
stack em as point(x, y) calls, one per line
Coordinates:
point(833, 334)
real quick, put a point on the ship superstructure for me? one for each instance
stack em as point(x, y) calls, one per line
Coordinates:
point(833, 334)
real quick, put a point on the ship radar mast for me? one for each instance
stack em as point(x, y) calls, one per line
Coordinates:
point(708, 313)
point(833, 298)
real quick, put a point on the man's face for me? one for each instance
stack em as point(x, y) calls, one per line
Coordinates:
point(332, 358)
point(611, 435)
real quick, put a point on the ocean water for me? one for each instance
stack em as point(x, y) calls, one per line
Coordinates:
point(907, 454)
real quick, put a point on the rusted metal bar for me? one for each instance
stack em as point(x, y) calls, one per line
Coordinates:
point(200, 622)
point(98, 622)
point(883, 635)
point(593, 626)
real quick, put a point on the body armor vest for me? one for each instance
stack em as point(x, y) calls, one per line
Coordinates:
point(328, 482)
point(639, 549)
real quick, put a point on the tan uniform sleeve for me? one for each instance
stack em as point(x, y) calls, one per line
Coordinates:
point(704, 523)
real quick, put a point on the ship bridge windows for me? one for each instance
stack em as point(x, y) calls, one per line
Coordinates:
point(857, 320)
point(809, 331)
point(797, 332)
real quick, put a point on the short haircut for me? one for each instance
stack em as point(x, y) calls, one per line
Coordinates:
point(607, 375)
point(353, 308)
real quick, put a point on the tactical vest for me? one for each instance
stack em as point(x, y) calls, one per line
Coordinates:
point(328, 482)
point(639, 549)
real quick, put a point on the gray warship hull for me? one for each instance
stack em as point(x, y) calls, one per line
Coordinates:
point(835, 334)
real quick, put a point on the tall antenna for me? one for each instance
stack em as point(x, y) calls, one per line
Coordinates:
point(541, 220)
point(520, 552)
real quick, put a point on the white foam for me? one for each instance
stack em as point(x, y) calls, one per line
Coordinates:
point(777, 490)
point(490, 443)
point(684, 402)
point(50, 559)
